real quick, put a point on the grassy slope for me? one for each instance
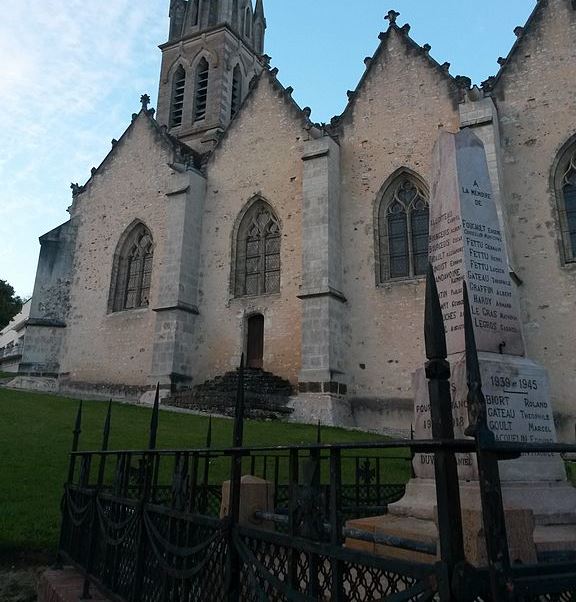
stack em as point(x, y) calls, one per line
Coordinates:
point(35, 437)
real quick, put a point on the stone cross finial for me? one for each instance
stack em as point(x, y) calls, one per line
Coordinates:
point(392, 16)
point(145, 100)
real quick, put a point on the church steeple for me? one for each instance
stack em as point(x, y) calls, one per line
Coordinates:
point(259, 26)
point(212, 54)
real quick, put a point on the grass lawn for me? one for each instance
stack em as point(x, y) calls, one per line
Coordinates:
point(36, 435)
point(7, 374)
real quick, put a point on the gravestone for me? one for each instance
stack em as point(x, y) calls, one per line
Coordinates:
point(466, 245)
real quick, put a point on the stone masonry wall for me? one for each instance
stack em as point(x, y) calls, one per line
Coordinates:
point(260, 155)
point(537, 110)
point(392, 123)
point(131, 184)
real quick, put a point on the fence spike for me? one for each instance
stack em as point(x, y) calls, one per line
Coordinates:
point(77, 428)
point(209, 433)
point(239, 411)
point(319, 433)
point(434, 333)
point(476, 400)
point(106, 432)
point(154, 419)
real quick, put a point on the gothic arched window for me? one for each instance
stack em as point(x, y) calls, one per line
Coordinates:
point(566, 199)
point(236, 91)
point(195, 13)
point(257, 269)
point(201, 90)
point(177, 105)
point(403, 229)
point(132, 270)
point(248, 22)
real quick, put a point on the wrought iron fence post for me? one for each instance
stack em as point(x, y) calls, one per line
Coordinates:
point(147, 470)
point(493, 515)
point(58, 564)
point(94, 524)
point(205, 487)
point(336, 522)
point(235, 563)
point(445, 465)
point(293, 489)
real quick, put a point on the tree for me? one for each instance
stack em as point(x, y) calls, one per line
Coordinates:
point(10, 304)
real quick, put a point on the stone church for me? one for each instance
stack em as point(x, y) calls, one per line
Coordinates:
point(227, 222)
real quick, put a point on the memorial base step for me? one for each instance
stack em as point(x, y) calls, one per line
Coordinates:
point(65, 586)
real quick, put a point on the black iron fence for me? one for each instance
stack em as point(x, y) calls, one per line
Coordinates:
point(151, 525)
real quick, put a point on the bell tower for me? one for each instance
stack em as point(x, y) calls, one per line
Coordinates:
point(215, 48)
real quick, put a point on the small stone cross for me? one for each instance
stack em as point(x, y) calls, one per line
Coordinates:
point(392, 16)
point(145, 100)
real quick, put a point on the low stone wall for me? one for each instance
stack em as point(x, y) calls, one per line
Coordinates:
point(392, 417)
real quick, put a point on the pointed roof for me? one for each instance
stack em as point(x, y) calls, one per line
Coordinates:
point(182, 152)
point(458, 82)
point(259, 10)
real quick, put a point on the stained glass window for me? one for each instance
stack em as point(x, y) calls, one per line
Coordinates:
point(258, 252)
point(567, 205)
point(403, 230)
point(132, 270)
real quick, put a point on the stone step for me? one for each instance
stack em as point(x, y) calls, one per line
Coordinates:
point(266, 395)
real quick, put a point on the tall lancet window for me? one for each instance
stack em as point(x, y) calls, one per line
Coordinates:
point(236, 91)
point(194, 12)
point(257, 269)
point(403, 229)
point(177, 106)
point(201, 91)
point(248, 22)
point(214, 12)
point(132, 270)
point(566, 198)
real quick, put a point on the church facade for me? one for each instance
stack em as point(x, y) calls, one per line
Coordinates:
point(228, 222)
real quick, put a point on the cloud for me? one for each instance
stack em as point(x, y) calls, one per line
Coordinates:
point(71, 76)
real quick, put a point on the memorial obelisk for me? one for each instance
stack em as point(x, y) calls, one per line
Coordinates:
point(466, 245)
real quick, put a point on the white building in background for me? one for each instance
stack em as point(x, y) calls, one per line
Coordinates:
point(12, 340)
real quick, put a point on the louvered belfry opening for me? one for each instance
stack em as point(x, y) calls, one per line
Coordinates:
point(178, 88)
point(201, 94)
point(236, 91)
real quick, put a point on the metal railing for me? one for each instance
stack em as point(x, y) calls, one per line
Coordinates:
point(149, 525)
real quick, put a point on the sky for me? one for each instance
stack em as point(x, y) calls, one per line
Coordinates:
point(72, 72)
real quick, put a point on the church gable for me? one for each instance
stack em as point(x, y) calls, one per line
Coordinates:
point(144, 145)
point(268, 106)
point(544, 52)
point(400, 71)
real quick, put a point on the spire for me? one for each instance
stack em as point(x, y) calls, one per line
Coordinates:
point(259, 27)
point(259, 10)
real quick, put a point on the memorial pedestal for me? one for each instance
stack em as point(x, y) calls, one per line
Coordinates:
point(466, 246)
